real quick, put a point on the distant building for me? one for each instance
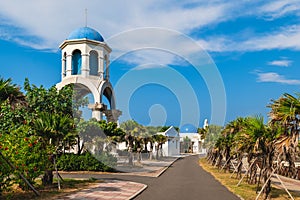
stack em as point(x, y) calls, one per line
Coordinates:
point(190, 140)
point(187, 140)
point(172, 146)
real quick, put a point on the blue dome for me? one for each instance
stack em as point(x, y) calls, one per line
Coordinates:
point(85, 33)
point(188, 128)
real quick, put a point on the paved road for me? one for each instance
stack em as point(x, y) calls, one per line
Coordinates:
point(185, 179)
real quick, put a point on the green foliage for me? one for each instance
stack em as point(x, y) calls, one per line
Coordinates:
point(54, 129)
point(49, 100)
point(86, 162)
point(26, 154)
point(5, 172)
point(187, 144)
point(10, 92)
point(212, 134)
point(164, 128)
point(111, 129)
point(32, 127)
point(94, 134)
point(152, 130)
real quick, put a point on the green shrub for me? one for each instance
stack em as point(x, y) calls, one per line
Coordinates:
point(86, 162)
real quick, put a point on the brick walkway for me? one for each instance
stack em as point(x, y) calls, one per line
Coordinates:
point(110, 189)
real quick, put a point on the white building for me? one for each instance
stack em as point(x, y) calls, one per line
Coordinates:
point(172, 146)
point(85, 63)
point(187, 141)
point(190, 140)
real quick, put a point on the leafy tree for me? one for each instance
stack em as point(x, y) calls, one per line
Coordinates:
point(88, 132)
point(20, 154)
point(112, 130)
point(102, 132)
point(25, 152)
point(49, 100)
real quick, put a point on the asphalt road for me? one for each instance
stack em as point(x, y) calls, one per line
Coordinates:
point(184, 180)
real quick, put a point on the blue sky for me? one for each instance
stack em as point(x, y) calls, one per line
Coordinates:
point(248, 52)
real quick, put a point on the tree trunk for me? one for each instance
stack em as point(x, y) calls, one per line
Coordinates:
point(130, 157)
point(80, 148)
point(146, 144)
point(151, 151)
point(47, 178)
point(161, 151)
point(157, 148)
point(138, 154)
point(268, 171)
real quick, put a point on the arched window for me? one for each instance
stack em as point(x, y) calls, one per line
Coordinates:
point(65, 64)
point(76, 62)
point(94, 63)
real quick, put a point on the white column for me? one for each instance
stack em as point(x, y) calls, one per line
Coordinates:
point(100, 67)
point(85, 69)
point(69, 65)
point(63, 61)
point(96, 114)
point(107, 68)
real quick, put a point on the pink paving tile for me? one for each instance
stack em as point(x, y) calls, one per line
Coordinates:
point(109, 190)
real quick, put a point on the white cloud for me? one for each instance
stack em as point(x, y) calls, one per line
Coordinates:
point(167, 47)
point(52, 21)
point(276, 78)
point(146, 56)
point(279, 8)
point(285, 38)
point(281, 63)
point(149, 66)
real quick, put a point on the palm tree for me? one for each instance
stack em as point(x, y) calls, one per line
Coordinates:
point(265, 148)
point(248, 140)
point(149, 138)
point(285, 111)
point(10, 92)
point(53, 130)
point(133, 138)
point(160, 139)
point(229, 132)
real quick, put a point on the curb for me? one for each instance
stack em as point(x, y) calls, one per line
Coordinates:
point(165, 168)
point(138, 192)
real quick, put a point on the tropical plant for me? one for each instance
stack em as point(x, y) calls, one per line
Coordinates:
point(285, 112)
point(133, 138)
point(148, 138)
point(52, 130)
point(160, 140)
point(10, 92)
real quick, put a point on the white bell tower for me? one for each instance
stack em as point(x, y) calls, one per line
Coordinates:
point(85, 63)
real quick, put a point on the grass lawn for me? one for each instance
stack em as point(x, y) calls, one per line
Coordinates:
point(246, 191)
point(49, 192)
